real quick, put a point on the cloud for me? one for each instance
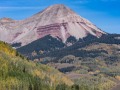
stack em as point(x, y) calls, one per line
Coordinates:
point(81, 1)
point(20, 8)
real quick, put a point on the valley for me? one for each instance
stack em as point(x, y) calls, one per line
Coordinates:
point(93, 62)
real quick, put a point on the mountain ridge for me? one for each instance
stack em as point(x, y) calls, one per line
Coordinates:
point(57, 20)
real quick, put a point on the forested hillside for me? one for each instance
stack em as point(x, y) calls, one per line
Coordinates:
point(18, 73)
point(93, 63)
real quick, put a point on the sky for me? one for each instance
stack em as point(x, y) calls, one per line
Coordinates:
point(105, 14)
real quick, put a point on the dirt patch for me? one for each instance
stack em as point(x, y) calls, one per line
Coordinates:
point(73, 75)
point(117, 87)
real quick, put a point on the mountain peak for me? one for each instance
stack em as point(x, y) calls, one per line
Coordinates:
point(5, 19)
point(58, 20)
point(60, 9)
point(54, 12)
point(58, 5)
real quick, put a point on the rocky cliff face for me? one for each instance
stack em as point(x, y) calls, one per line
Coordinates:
point(58, 21)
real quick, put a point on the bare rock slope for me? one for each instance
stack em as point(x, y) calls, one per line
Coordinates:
point(57, 20)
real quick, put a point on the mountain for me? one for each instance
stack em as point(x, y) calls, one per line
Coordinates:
point(58, 21)
point(18, 73)
point(62, 40)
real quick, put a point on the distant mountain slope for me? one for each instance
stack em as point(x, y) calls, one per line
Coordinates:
point(18, 73)
point(55, 48)
point(106, 49)
point(58, 21)
point(45, 44)
point(92, 62)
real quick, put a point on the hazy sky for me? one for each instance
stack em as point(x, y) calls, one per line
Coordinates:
point(103, 13)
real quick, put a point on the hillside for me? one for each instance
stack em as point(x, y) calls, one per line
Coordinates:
point(50, 47)
point(90, 60)
point(45, 44)
point(18, 73)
